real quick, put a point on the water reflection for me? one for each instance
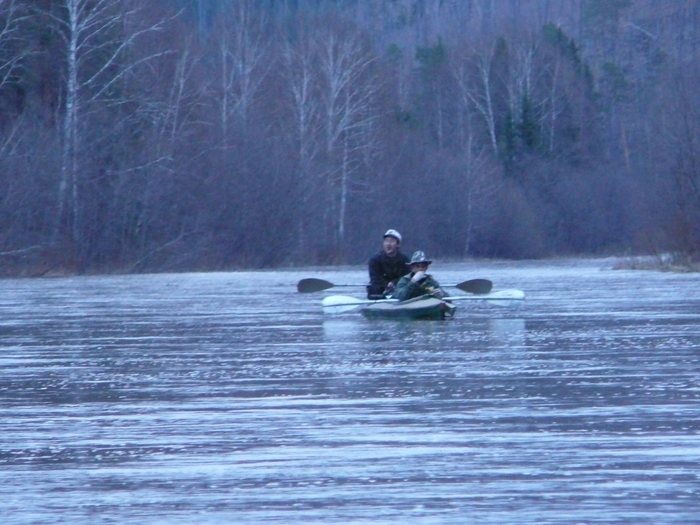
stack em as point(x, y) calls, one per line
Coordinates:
point(341, 329)
point(507, 332)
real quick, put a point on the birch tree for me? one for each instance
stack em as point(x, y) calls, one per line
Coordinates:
point(348, 87)
point(168, 118)
point(478, 179)
point(98, 40)
point(480, 92)
point(331, 100)
point(23, 141)
point(14, 47)
point(304, 108)
point(244, 61)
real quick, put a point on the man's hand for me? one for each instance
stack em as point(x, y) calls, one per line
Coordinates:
point(418, 277)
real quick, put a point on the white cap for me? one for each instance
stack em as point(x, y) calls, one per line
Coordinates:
point(393, 233)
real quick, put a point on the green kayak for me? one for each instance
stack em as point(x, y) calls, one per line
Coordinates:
point(418, 308)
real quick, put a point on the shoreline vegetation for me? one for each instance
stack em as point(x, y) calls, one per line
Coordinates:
point(38, 268)
point(667, 262)
point(212, 135)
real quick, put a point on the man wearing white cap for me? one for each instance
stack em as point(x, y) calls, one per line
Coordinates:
point(387, 267)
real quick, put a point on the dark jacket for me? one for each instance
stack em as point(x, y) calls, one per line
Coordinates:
point(384, 270)
point(405, 289)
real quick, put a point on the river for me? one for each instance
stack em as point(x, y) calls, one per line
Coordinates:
point(219, 398)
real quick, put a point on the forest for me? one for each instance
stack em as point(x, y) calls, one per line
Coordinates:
point(193, 135)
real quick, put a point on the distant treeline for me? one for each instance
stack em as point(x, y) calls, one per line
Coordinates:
point(192, 135)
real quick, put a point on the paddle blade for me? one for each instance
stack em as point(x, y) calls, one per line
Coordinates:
point(338, 304)
point(476, 286)
point(312, 285)
point(506, 298)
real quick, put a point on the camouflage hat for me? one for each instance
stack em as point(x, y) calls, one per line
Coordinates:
point(419, 257)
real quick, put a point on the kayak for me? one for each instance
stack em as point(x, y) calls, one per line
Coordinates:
point(426, 306)
point(418, 308)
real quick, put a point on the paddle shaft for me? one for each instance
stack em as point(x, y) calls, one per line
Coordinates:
point(312, 284)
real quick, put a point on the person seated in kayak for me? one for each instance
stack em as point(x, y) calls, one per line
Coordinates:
point(386, 267)
point(418, 282)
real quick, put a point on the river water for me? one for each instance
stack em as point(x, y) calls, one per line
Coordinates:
point(231, 398)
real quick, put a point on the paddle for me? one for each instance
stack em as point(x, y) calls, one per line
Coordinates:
point(475, 286)
point(338, 304)
point(311, 285)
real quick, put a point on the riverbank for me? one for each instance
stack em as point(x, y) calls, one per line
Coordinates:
point(667, 262)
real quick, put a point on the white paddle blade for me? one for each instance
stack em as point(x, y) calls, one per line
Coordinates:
point(507, 298)
point(338, 304)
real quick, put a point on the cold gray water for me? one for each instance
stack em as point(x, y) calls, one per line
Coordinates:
point(231, 398)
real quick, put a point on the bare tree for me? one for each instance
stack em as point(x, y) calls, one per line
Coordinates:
point(21, 185)
point(682, 140)
point(476, 84)
point(332, 90)
point(348, 87)
point(168, 116)
point(479, 179)
point(14, 46)
point(14, 51)
point(304, 107)
point(244, 61)
point(98, 38)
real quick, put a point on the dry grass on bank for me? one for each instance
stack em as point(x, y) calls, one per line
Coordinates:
point(667, 262)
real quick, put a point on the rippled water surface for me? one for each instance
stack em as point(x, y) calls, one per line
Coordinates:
point(230, 398)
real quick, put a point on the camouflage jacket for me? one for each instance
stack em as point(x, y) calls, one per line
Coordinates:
point(405, 289)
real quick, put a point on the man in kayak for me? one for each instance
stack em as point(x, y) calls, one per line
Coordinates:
point(386, 267)
point(418, 282)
